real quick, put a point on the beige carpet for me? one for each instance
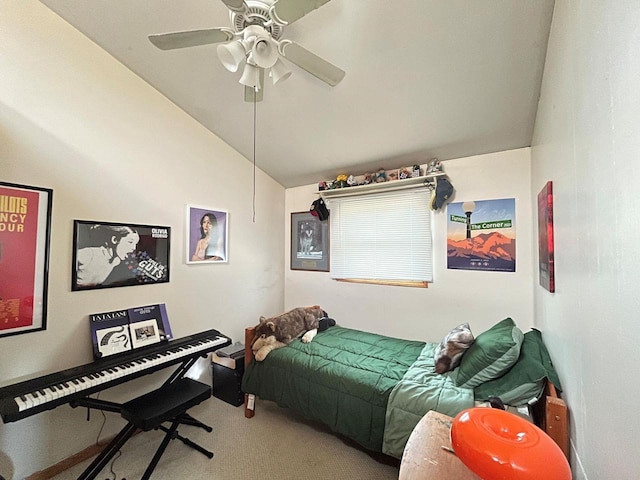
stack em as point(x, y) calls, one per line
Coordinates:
point(275, 444)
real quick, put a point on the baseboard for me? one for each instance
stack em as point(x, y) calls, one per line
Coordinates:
point(71, 461)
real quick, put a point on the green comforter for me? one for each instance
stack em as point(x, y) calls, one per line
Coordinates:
point(344, 379)
point(420, 390)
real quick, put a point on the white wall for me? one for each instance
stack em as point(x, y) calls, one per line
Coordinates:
point(113, 149)
point(586, 141)
point(455, 296)
point(69, 112)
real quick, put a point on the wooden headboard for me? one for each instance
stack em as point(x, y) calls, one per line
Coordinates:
point(550, 413)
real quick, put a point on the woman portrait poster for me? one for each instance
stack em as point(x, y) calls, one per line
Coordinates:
point(117, 255)
point(207, 231)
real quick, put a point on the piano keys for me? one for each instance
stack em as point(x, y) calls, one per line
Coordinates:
point(33, 396)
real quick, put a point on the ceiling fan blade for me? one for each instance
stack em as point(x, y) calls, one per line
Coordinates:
point(312, 63)
point(237, 6)
point(288, 11)
point(191, 38)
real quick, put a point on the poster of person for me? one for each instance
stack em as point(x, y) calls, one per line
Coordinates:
point(207, 235)
point(118, 255)
point(25, 226)
point(481, 235)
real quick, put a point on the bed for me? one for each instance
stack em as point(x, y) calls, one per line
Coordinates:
point(374, 389)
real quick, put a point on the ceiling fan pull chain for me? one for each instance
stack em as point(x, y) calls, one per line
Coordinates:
point(255, 95)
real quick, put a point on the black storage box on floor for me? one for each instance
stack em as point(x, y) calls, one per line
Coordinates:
point(227, 379)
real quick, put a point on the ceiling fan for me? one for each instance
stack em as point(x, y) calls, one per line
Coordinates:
point(255, 39)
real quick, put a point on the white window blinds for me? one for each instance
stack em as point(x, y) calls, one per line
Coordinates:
point(382, 236)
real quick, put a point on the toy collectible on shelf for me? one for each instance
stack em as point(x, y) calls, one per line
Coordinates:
point(382, 175)
point(441, 188)
point(435, 166)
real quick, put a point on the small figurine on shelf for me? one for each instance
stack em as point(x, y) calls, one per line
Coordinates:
point(417, 171)
point(368, 178)
point(341, 181)
point(381, 176)
point(322, 186)
point(404, 173)
point(435, 167)
point(351, 180)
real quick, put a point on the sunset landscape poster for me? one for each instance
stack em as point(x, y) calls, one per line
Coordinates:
point(481, 235)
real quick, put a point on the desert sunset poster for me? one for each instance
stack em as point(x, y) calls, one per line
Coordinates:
point(481, 235)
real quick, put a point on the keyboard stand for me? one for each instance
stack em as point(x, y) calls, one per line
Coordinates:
point(167, 404)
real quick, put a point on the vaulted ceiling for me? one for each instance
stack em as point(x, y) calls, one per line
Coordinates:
point(424, 79)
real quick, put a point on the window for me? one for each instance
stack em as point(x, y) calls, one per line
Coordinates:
point(382, 237)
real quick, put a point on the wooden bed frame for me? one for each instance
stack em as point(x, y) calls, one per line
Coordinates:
point(249, 400)
point(550, 413)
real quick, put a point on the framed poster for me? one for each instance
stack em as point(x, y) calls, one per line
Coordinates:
point(545, 238)
point(309, 243)
point(207, 235)
point(481, 235)
point(25, 229)
point(107, 255)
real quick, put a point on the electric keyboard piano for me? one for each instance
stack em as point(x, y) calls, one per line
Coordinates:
point(27, 398)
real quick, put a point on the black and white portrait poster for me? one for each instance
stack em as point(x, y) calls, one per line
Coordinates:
point(118, 255)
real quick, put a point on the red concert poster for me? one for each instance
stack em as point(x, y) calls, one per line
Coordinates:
point(545, 238)
point(23, 241)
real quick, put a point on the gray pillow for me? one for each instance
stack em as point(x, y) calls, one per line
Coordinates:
point(448, 353)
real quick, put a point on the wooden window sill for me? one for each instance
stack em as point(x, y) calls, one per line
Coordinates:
point(395, 283)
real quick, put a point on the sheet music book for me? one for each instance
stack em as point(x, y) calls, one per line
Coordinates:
point(127, 329)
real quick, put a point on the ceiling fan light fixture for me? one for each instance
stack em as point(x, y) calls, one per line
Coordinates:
point(265, 51)
point(279, 72)
point(251, 76)
point(251, 33)
point(255, 40)
point(231, 55)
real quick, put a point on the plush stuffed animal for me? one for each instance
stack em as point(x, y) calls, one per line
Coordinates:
point(277, 332)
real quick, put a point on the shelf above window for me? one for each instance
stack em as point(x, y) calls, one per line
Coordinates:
point(413, 182)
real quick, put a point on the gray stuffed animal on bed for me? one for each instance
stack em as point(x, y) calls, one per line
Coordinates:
point(449, 352)
point(279, 331)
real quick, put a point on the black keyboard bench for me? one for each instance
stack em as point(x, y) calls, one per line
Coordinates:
point(168, 403)
point(152, 409)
